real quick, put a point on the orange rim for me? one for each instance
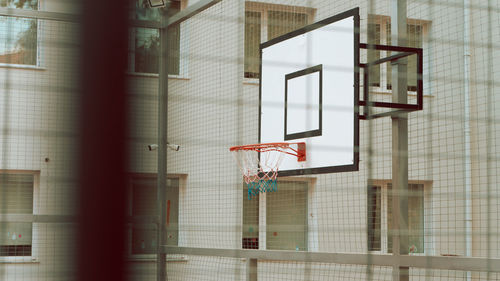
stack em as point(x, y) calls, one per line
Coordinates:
point(275, 146)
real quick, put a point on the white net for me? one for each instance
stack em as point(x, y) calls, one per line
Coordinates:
point(259, 166)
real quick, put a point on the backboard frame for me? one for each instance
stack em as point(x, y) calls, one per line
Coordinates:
point(356, 66)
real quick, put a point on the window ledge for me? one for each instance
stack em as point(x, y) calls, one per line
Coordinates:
point(16, 260)
point(21, 66)
point(389, 92)
point(385, 253)
point(251, 81)
point(155, 75)
point(152, 258)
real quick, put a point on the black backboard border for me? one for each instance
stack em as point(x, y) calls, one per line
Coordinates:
point(311, 133)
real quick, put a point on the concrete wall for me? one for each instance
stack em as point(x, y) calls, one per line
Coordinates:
point(39, 130)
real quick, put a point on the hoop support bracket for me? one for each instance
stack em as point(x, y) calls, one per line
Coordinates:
point(396, 108)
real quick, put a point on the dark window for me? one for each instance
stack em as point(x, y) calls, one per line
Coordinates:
point(415, 217)
point(374, 226)
point(252, 41)
point(286, 217)
point(144, 236)
point(374, 38)
point(415, 39)
point(250, 220)
point(377, 205)
point(147, 40)
point(278, 23)
point(16, 197)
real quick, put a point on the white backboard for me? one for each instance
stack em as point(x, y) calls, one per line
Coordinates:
point(309, 91)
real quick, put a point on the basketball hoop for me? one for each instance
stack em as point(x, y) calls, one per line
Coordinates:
point(260, 162)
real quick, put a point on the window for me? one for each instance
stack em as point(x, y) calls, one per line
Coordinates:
point(250, 221)
point(19, 36)
point(143, 203)
point(379, 207)
point(16, 197)
point(286, 217)
point(380, 33)
point(145, 42)
point(264, 22)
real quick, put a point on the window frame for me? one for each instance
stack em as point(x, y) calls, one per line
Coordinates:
point(129, 189)
point(183, 45)
point(384, 231)
point(263, 9)
point(39, 48)
point(33, 258)
point(383, 22)
point(311, 221)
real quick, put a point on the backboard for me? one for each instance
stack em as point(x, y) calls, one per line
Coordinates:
point(309, 89)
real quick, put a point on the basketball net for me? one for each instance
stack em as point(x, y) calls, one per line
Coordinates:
point(261, 173)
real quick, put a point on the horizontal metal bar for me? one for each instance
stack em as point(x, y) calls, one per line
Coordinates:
point(340, 258)
point(451, 263)
point(43, 15)
point(389, 105)
point(70, 219)
point(389, 48)
point(389, 58)
point(38, 218)
point(54, 218)
point(385, 114)
point(65, 218)
point(431, 262)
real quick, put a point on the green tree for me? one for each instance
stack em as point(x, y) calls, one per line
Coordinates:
point(20, 4)
point(27, 42)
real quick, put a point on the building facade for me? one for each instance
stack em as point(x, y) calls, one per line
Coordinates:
point(213, 105)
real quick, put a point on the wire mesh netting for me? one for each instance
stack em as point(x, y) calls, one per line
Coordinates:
point(320, 226)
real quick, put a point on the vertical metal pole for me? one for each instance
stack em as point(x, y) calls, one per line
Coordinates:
point(399, 143)
point(161, 262)
point(367, 112)
point(467, 136)
point(490, 157)
point(251, 269)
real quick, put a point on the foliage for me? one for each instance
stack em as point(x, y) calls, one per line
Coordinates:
point(20, 4)
point(28, 42)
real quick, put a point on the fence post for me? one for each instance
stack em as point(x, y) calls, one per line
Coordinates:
point(399, 143)
point(161, 262)
point(251, 270)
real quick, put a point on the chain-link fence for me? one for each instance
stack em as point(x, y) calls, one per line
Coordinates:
point(192, 73)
